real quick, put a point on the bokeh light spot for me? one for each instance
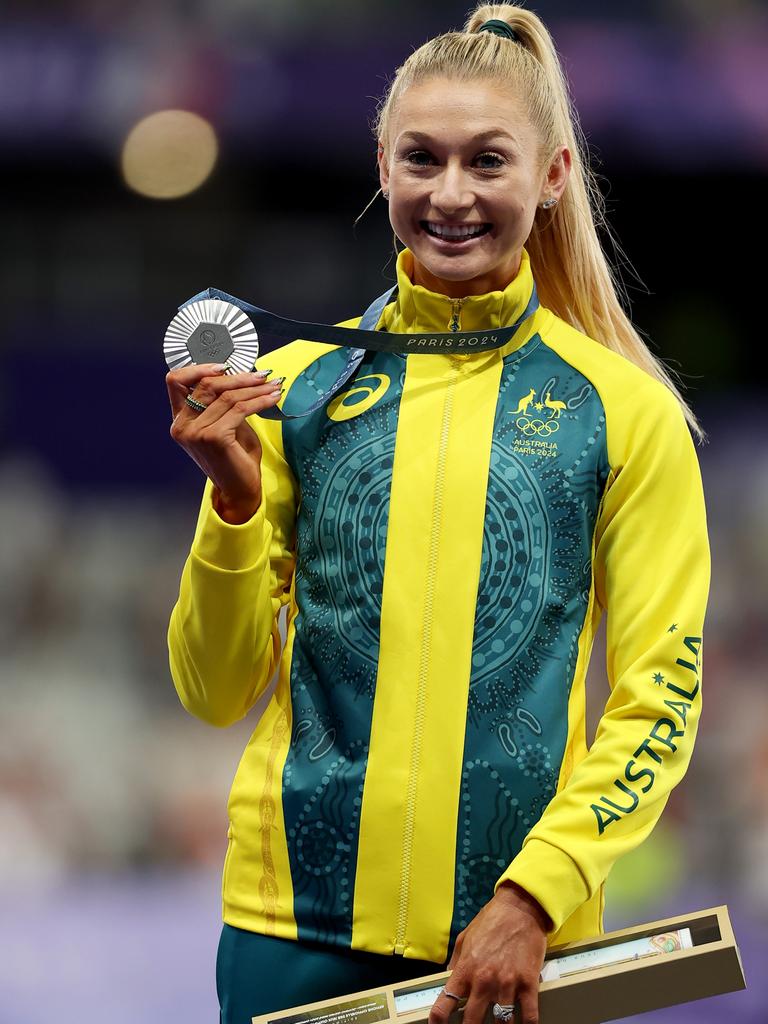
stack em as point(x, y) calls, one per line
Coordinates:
point(169, 154)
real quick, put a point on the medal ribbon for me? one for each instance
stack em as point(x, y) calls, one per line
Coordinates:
point(366, 338)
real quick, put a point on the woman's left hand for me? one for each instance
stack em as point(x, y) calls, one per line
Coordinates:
point(498, 959)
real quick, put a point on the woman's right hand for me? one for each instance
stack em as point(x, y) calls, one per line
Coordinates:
point(219, 439)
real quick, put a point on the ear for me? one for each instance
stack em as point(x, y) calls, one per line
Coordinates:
point(381, 159)
point(557, 174)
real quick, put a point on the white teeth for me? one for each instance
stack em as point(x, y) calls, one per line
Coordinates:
point(457, 231)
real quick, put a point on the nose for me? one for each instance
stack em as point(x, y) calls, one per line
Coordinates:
point(451, 190)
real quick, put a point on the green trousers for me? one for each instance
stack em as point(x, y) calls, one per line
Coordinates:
point(259, 973)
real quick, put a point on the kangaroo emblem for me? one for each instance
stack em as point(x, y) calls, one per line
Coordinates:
point(556, 406)
point(524, 402)
point(534, 423)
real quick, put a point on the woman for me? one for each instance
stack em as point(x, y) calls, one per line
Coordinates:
point(447, 533)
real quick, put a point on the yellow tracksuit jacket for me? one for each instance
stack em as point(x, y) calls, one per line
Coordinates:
point(447, 533)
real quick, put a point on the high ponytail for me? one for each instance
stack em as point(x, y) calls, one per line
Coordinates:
point(572, 274)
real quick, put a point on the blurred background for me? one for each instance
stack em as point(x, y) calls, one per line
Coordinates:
point(113, 799)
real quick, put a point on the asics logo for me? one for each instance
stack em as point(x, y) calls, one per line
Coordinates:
point(359, 398)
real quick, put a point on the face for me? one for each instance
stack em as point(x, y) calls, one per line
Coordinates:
point(464, 153)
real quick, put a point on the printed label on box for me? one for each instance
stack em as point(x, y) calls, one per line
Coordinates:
point(363, 1010)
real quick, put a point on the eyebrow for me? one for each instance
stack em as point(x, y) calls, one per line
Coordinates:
point(480, 137)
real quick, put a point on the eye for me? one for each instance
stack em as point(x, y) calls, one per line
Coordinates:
point(413, 158)
point(490, 156)
point(410, 157)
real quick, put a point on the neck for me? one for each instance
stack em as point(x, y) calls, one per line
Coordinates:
point(496, 280)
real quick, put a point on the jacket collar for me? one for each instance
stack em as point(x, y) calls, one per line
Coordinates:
point(419, 309)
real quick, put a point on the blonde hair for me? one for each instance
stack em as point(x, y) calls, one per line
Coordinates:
point(572, 274)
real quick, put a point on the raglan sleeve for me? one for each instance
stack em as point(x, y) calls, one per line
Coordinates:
point(223, 638)
point(651, 565)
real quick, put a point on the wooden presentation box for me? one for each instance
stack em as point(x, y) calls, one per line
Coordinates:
point(633, 983)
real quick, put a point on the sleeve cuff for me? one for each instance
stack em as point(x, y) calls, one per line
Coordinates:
point(232, 547)
point(551, 877)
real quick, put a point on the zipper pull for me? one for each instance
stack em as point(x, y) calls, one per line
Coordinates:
point(454, 324)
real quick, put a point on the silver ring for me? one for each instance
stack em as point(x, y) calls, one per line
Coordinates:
point(451, 995)
point(503, 1012)
point(194, 404)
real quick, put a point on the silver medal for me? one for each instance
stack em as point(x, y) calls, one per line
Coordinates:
point(211, 331)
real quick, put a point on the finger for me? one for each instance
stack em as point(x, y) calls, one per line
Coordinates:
point(507, 995)
point(444, 1006)
point(218, 406)
point(528, 997)
point(188, 416)
point(180, 381)
point(209, 388)
point(225, 419)
point(191, 428)
point(477, 1006)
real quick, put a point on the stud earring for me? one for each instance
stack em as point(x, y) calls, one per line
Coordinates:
point(385, 194)
point(548, 202)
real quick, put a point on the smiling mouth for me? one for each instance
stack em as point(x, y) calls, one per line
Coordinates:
point(456, 233)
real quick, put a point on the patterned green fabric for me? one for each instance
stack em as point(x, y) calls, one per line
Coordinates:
point(540, 513)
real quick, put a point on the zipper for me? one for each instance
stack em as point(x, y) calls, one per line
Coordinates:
point(456, 305)
point(424, 661)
